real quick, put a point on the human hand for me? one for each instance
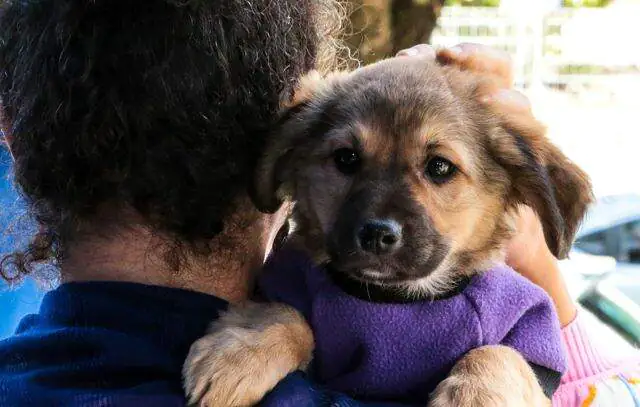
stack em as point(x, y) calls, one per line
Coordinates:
point(527, 250)
point(527, 253)
point(482, 60)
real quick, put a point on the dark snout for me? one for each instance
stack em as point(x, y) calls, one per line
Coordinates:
point(382, 234)
point(379, 236)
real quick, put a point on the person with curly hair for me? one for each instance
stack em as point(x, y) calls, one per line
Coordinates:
point(134, 127)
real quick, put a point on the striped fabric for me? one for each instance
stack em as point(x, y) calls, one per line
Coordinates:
point(593, 378)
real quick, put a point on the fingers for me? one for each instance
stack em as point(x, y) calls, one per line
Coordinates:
point(479, 59)
point(421, 50)
point(486, 61)
point(507, 101)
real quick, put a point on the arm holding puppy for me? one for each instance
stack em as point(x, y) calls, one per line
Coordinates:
point(593, 377)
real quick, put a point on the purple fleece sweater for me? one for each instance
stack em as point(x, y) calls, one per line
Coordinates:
point(400, 352)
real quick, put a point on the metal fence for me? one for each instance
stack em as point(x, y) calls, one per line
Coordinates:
point(560, 49)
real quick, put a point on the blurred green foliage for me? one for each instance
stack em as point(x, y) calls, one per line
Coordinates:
point(585, 3)
point(496, 3)
point(597, 69)
point(473, 3)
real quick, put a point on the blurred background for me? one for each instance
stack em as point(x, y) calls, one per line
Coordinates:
point(577, 60)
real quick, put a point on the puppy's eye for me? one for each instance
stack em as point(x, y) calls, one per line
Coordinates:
point(440, 170)
point(347, 160)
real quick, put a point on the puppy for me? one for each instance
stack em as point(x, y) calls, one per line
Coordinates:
point(404, 189)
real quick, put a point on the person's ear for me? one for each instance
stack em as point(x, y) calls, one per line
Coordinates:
point(543, 178)
point(273, 175)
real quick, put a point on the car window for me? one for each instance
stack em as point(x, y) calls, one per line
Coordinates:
point(630, 242)
point(595, 243)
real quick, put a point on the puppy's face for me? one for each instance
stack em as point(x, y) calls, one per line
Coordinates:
point(400, 179)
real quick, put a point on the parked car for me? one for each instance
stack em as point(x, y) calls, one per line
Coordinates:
point(603, 272)
point(581, 267)
point(599, 306)
point(612, 228)
point(615, 300)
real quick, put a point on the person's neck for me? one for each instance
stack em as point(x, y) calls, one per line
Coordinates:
point(136, 255)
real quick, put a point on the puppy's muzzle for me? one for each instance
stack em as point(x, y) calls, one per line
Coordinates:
point(383, 235)
point(379, 236)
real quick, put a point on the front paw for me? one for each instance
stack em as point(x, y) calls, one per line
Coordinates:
point(490, 376)
point(248, 351)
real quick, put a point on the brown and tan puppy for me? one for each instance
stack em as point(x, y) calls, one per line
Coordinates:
point(403, 181)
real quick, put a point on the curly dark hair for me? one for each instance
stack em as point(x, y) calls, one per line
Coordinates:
point(156, 105)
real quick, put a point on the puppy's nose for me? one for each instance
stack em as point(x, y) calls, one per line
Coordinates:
point(380, 236)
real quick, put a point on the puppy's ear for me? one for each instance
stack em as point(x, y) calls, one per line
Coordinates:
point(543, 178)
point(273, 172)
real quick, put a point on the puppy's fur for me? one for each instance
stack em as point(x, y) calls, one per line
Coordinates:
point(266, 342)
point(395, 117)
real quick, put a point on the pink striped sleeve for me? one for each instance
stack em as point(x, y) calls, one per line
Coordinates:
point(584, 358)
point(589, 363)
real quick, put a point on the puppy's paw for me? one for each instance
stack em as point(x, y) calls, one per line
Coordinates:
point(490, 376)
point(248, 351)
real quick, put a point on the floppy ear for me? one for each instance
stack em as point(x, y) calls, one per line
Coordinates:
point(543, 178)
point(273, 172)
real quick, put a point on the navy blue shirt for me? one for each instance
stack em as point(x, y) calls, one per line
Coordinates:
point(120, 344)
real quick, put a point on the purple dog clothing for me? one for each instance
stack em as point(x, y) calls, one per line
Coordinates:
point(400, 352)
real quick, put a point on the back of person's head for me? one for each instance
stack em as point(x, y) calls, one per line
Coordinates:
point(157, 106)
